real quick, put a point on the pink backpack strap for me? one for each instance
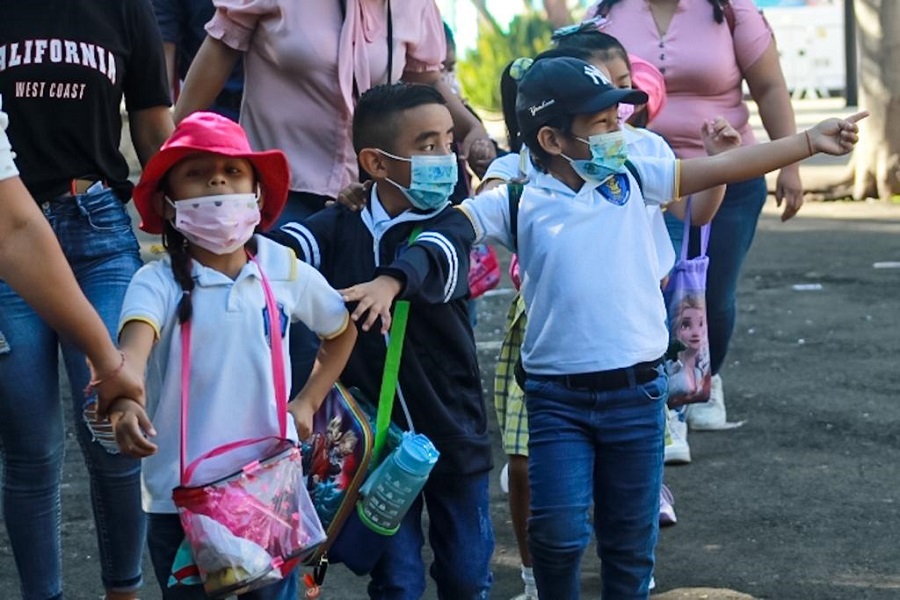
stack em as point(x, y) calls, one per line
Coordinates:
point(278, 365)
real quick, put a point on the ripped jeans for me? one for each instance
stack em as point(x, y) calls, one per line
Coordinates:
point(95, 233)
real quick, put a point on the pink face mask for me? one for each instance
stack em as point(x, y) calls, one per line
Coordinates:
point(220, 224)
point(625, 112)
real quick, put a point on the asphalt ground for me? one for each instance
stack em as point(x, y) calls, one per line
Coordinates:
point(799, 503)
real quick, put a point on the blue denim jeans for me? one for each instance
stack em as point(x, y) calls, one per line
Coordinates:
point(95, 233)
point(601, 447)
point(164, 536)
point(461, 537)
point(730, 238)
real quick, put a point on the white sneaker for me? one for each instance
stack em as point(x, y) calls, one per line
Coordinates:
point(710, 415)
point(677, 452)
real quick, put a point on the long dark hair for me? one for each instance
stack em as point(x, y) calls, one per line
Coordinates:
point(718, 7)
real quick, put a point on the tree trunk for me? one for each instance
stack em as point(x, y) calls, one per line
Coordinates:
point(876, 159)
point(557, 13)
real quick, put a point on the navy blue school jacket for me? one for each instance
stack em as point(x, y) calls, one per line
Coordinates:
point(439, 377)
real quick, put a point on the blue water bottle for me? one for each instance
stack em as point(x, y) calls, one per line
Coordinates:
point(391, 488)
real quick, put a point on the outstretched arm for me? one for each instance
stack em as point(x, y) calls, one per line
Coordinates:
point(832, 136)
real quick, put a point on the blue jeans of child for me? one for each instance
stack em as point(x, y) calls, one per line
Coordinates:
point(730, 238)
point(602, 447)
point(461, 537)
point(164, 536)
point(96, 236)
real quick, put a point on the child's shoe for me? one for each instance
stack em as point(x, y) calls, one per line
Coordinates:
point(666, 507)
point(677, 452)
point(531, 592)
point(711, 415)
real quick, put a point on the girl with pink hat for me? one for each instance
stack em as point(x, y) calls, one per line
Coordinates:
point(207, 192)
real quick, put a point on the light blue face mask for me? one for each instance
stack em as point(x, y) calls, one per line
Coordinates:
point(432, 179)
point(608, 156)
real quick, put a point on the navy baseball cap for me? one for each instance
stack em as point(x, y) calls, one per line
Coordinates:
point(556, 87)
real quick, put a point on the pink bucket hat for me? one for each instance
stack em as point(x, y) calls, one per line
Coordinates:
point(209, 132)
point(648, 79)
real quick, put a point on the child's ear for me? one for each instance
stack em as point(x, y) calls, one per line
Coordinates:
point(260, 196)
point(162, 208)
point(550, 140)
point(373, 162)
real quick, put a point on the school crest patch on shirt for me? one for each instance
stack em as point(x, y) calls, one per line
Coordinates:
point(616, 189)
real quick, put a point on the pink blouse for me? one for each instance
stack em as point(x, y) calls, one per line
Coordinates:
point(700, 62)
point(300, 62)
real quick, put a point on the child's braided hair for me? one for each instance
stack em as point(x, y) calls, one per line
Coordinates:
point(717, 5)
point(176, 244)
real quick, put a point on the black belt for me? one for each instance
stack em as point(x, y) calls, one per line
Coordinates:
point(605, 381)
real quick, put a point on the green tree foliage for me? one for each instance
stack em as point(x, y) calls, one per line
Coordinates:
point(480, 70)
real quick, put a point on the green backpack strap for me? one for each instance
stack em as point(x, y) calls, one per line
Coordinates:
point(391, 369)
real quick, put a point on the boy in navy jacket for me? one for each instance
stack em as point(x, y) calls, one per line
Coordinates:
point(408, 243)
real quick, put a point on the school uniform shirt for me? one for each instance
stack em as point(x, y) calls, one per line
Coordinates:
point(232, 394)
point(64, 68)
point(640, 142)
point(588, 265)
point(438, 377)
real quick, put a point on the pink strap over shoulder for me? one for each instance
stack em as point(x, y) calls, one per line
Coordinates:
point(278, 365)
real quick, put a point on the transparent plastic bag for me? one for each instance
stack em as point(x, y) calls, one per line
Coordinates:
point(242, 528)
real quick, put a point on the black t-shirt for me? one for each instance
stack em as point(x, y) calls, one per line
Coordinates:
point(64, 67)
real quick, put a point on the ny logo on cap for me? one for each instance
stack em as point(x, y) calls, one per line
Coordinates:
point(596, 75)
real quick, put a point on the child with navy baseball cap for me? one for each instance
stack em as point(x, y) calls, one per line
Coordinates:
point(595, 389)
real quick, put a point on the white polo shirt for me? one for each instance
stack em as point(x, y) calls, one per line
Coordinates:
point(640, 142)
point(232, 393)
point(589, 269)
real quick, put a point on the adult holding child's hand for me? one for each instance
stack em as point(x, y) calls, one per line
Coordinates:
point(706, 50)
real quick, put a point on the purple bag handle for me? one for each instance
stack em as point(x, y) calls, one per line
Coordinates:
point(704, 233)
point(277, 354)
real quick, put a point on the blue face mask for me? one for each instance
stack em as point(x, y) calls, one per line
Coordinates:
point(432, 179)
point(608, 156)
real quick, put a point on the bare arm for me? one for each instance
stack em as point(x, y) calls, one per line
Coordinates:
point(832, 136)
point(169, 49)
point(474, 143)
point(150, 128)
point(26, 239)
point(769, 90)
point(330, 362)
point(206, 77)
point(127, 415)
